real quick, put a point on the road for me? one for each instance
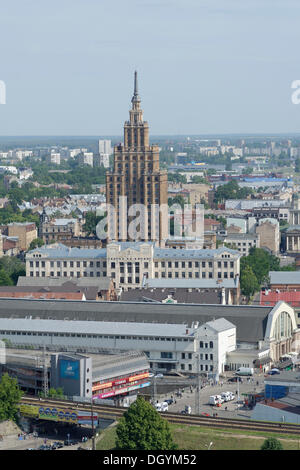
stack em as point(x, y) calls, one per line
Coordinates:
point(189, 398)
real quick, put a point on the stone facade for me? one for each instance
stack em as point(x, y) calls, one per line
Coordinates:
point(136, 175)
point(128, 264)
point(268, 231)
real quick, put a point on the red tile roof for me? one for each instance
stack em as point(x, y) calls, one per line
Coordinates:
point(44, 295)
point(271, 298)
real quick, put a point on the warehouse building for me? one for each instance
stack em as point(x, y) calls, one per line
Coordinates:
point(98, 375)
point(169, 348)
point(268, 331)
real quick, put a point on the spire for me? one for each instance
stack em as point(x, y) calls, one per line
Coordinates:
point(135, 98)
point(135, 83)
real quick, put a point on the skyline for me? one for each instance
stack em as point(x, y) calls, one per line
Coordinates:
point(204, 68)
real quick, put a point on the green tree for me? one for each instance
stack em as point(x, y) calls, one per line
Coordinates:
point(297, 165)
point(142, 428)
point(37, 242)
point(261, 263)
point(248, 282)
point(91, 221)
point(10, 396)
point(5, 279)
point(271, 444)
point(228, 165)
point(177, 200)
point(56, 393)
point(13, 268)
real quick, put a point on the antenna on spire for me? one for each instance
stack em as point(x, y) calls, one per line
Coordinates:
point(135, 83)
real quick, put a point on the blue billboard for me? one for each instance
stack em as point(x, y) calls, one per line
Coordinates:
point(69, 369)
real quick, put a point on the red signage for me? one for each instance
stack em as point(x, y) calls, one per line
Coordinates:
point(122, 381)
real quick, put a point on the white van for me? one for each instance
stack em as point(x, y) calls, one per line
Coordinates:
point(158, 406)
point(215, 400)
point(162, 406)
point(245, 371)
point(228, 396)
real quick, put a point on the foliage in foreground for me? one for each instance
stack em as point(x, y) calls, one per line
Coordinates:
point(10, 396)
point(271, 444)
point(142, 428)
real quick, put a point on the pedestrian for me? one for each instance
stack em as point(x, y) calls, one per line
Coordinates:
point(225, 408)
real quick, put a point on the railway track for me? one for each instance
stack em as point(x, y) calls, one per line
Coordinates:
point(113, 412)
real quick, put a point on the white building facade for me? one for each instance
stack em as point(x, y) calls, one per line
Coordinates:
point(130, 264)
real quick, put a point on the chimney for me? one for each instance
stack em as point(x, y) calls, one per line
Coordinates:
point(223, 296)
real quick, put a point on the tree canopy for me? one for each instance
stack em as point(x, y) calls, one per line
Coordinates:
point(231, 190)
point(10, 269)
point(36, 243)
point(261, 262)
point(142, 428)
point(10, 396)
point(271, 444)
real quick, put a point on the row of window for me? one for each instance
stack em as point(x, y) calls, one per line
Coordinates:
point(190, 274)
point(68, 264)
point(82, 335)
point(68, 274)
point(203, 367)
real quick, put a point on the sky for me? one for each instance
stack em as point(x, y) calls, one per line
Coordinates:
point(204, 66)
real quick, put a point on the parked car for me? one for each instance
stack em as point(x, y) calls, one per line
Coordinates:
point(162, 406)
point(274, 371)
point(57, 445)
point(70, 442)
point(235, 379)
point(169, 401)
point(228, 396)
point(159, 376)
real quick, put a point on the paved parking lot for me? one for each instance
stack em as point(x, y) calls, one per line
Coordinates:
point(189, 396)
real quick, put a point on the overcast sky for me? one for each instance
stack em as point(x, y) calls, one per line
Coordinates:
point(205, 66)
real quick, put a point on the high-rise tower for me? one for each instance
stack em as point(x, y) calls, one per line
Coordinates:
point(136, 176)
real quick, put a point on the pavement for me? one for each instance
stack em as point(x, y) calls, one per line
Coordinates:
point(234, 410)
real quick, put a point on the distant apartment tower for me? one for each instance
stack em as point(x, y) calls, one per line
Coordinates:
point(86, 158)
point(137, 176)
point(105, 151)
point(53, 158)
point(105, 147)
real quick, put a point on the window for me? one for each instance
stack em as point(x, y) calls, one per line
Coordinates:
point(211, 344)
point(201, 344)
point(166, 355)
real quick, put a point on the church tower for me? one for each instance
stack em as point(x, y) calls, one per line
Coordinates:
point(136, 175)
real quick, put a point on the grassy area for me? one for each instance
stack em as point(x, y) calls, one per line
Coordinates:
point(197, 438)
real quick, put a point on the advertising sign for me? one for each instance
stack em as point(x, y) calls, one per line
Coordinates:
point(29, 410)
point(58, 414)
point(69, 369)
point(124, 380)
point(121, 390)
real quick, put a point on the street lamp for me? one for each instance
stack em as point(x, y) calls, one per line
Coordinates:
point(197, 395)
point(209, 445)
point(93, 428)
